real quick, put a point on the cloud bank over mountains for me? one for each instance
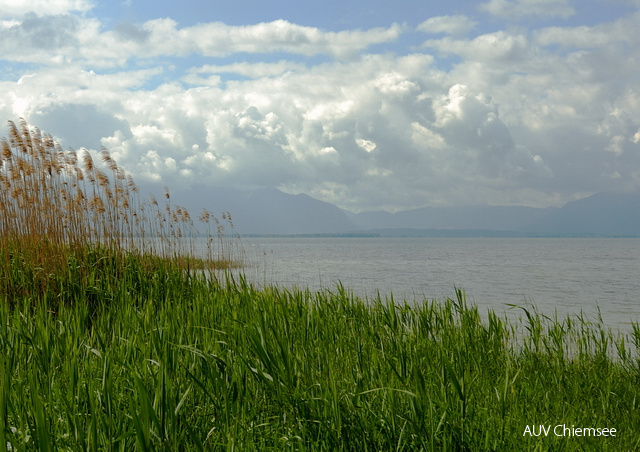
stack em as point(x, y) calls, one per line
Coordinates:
point(441, 112)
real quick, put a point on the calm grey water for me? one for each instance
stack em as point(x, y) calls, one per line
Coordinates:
point(556, 275)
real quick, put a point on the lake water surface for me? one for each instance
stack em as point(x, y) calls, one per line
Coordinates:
point(563, 275)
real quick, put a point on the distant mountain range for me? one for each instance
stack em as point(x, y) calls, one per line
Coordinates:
point(495, 218)
point(605, 214)
point(272, 212)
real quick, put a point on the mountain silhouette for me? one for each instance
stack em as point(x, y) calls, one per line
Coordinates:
point(270, 211)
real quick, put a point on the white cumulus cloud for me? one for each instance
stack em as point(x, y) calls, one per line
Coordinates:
point(15, 8)
point(514, 9)
point(453, 25)
point(56, 39)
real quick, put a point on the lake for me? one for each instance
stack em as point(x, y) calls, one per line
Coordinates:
point(563, 275)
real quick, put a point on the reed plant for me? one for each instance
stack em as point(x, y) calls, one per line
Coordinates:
point(69, 220)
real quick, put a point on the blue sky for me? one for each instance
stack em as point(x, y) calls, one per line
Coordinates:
point(366, 104)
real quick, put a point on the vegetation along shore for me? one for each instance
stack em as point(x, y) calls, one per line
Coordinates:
point(116, 335)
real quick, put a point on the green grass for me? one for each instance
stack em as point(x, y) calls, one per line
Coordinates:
point(187, 363)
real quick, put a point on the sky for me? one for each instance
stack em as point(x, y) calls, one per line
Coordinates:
point(369, 105)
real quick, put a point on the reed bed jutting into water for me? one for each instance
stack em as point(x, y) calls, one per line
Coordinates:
point(65, 216)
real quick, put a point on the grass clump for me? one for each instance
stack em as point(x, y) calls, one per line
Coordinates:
point(108, 341)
